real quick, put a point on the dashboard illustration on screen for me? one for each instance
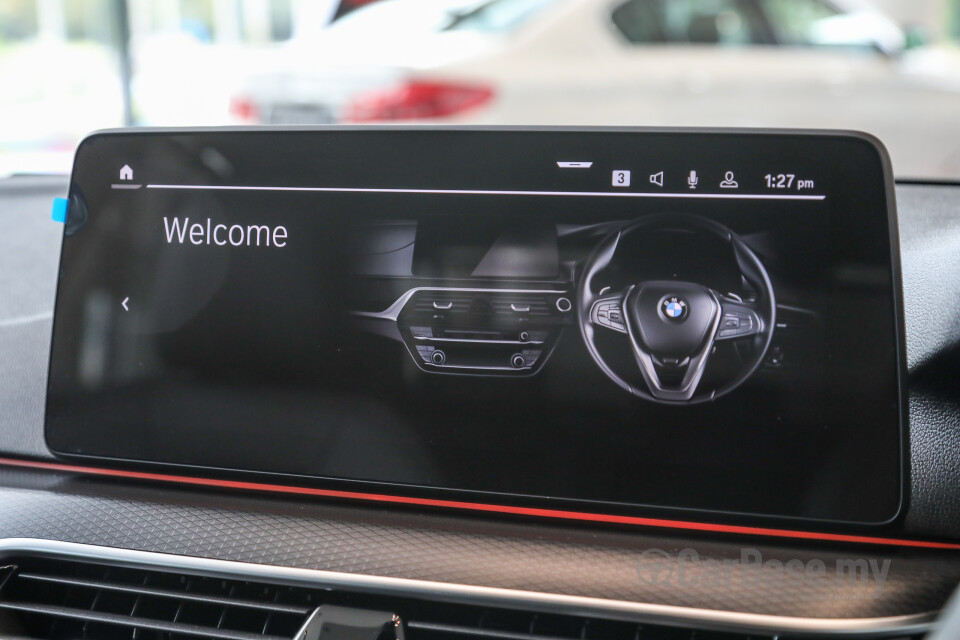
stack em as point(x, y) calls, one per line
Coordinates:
point(671, 292)
point(626, 321)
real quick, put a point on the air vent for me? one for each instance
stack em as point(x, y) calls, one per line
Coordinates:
point(48, 599)
point(533, 305)
point(451, 301)
point(511, 304)
point(45, 598)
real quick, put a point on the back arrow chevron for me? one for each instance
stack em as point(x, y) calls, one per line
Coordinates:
point(124, 303)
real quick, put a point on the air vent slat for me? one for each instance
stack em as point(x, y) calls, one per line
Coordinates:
point(139, 623)
point(165, 593)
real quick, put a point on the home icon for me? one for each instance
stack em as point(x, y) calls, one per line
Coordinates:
point(126, 173)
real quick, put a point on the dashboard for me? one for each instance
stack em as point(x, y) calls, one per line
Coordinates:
point(498, 429)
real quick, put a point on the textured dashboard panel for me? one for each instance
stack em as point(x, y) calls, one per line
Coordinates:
point(930, 256)
point(29, 256)
point(492, 553)
point(935, 446)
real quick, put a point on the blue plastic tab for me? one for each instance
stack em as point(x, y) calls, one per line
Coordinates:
point(59, 213)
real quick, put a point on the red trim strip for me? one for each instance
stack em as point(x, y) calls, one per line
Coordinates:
point(477, 506)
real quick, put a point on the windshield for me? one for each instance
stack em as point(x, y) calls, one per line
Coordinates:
point(887, 67)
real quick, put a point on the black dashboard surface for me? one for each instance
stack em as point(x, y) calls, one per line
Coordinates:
point(678, 571)
point(516, 555)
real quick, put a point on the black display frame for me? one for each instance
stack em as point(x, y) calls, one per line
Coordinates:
point(612, 508)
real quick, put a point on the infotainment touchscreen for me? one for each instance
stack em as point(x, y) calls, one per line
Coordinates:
point(612, 321)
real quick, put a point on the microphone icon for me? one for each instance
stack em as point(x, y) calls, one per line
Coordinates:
point(693, 180)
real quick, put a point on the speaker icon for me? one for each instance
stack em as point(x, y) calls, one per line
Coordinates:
point(657, 178)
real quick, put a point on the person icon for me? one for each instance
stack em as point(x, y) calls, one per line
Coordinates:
point(728, 181)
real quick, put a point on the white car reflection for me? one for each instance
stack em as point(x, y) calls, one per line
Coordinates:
point(766, 63)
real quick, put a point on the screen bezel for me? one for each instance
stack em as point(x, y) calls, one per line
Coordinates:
point(506, 500)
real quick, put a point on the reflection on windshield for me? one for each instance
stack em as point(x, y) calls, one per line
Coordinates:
point(888, 67)
point(499, 15)
point(398, 16)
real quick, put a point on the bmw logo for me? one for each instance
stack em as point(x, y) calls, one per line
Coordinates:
point(673, 308)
